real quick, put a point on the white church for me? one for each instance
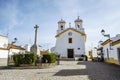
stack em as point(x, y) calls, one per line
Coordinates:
point(70, 42)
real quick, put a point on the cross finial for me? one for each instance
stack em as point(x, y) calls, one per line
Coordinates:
point(36, 26)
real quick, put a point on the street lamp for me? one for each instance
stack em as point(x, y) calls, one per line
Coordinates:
point(107, 35)
point(15, 39)
point(9, 47)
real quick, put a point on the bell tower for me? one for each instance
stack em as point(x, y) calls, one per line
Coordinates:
point(78, 24)
point(61, 26)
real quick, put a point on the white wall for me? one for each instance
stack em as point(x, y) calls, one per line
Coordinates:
point(3, 53)
point(12, 51)
point(112, 53)
point(94, 52)
point(27, 47)
point(77, 42)
point(115, 52)
point(3, 42)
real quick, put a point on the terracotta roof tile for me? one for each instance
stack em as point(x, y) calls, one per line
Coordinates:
point(15, 46)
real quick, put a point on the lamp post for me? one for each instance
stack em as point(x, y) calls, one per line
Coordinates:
point(9, 47)
point(107, 35)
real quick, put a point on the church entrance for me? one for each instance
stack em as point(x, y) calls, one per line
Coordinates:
point(70, 53)
point(118, 55)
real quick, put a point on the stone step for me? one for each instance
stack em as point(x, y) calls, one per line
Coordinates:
point(67, 59)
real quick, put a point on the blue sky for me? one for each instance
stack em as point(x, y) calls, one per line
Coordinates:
point(18, 17)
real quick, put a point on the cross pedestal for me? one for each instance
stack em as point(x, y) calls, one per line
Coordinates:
point(35, 47)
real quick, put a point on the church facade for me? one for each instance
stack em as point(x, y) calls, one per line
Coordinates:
point(70, 42)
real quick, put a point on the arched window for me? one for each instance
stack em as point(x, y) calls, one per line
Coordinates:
point(61, 27)
point(78, 26)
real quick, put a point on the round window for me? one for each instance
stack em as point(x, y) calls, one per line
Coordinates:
point(70, 33)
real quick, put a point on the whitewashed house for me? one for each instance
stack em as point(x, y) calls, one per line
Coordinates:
point(70, 42)
point(7, 50)
point(27, 47)
point(3, 46)
point(3, 50)
point(112, 54)
point(15, 49)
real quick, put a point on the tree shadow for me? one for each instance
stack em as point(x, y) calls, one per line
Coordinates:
point(94, 71)
point(71, 72)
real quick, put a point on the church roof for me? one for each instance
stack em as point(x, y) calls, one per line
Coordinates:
point(83, 34)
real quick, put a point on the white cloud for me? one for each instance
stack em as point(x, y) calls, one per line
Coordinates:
point(96, 15)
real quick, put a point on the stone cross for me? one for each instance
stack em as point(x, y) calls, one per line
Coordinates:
point(34, 47)
point(36, 28)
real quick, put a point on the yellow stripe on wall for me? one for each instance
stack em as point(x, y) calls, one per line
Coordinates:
point(111, 60)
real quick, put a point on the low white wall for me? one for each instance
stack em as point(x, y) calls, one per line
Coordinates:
point(3, 53)
point(3, 61)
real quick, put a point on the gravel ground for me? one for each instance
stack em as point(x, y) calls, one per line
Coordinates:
point(3, 62)
point(67, 70)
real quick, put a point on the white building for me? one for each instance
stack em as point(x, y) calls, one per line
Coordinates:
point(70, 42)
point(3, 50)
point(27, 47)
point(112, 55)
point(3, 46)
point(15, 49)
point(7, 49)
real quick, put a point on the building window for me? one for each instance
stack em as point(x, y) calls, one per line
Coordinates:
point(69, 40)
point(78, 48)
point(61, 27)
point(78, 26)
point(70, 33)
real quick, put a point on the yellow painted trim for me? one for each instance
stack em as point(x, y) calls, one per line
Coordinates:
point(111, 60)
point(3, 48)
point(116, 62)
point(116, 42)
point(72, 30)
point(106, 42)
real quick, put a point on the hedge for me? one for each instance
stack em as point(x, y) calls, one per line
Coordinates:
point(27, 58)
point(49, 58)
point(17, 59)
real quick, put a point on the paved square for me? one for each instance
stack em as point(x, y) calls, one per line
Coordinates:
point(67, 70)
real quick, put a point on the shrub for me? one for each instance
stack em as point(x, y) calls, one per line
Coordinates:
point(53, 58)
point(27, 58)
point(49, 58)
point(18, 59)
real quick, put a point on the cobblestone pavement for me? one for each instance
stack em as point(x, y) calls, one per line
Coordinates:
point(67, 70)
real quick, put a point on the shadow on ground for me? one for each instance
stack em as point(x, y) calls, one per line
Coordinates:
point(94, 71)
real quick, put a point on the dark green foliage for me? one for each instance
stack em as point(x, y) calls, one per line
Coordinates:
point(27, 58)
point(49, 58)
point(18, 59)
